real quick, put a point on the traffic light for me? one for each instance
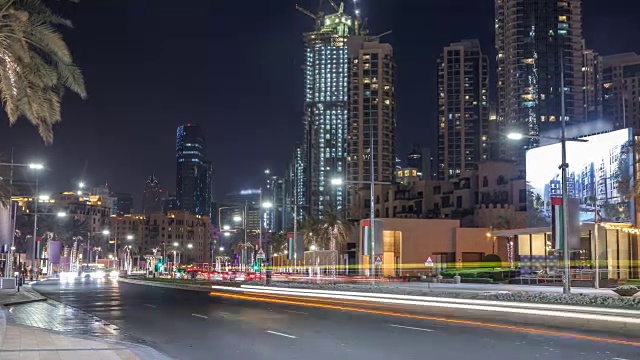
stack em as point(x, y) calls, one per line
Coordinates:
point(256, 267)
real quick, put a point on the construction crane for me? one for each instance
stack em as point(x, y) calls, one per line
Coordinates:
point(339, 9)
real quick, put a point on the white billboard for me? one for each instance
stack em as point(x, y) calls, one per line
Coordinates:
point(599, 175)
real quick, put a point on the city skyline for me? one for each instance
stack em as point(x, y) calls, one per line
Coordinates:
point(86, 124)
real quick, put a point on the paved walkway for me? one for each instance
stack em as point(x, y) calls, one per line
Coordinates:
point(33, 329)
point(26, 295)
point(23, 342)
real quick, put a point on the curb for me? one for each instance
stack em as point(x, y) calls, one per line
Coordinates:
point(170, 286)
point(20, 302)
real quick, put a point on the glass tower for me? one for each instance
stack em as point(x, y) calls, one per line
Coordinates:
point(193, 178)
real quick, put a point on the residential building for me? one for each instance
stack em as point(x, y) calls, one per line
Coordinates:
point(463, 109)
point(592, 68)
point(372, 117)
point(234, 205)
point(491, 195)
point(326, 109)
point(193, 178)
point(531, 38)
point(191, 233)
point(152, 197)
point(621, 90)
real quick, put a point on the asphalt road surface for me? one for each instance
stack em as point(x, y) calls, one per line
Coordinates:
point(194, 325)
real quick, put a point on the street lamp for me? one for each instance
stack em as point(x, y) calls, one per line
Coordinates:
point(129, 237)
point(106, 232)
point(61, 214)
point(237, 218)
point(226, 227)
point(227, 234)
point(36, 166)
point(267, 205)
point(189, 246)
point(565, 191)
point(372, 183)
point(221, 248)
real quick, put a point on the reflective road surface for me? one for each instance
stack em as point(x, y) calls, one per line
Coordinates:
point(194, 325)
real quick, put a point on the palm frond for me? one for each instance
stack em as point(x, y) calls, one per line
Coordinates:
point(35, 64)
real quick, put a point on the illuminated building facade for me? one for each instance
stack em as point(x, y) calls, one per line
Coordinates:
point(372, 115)
point(326, 77)
point(463, 109)
point(193, 177)
point(621, 90)
point(531, 37)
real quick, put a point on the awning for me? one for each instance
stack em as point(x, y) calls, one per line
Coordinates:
point(525, 231)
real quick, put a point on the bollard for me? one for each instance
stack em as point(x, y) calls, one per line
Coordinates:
point(456, 279)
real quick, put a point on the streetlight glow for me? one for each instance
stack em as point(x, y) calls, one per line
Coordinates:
point(227, 234)
point(515, 136)
point(221, 248)
point(61, 214)
point(44, 197)
point(267, 171)
point(237, 218)
point(175, 243)
point(189, 246)
point(267, 205)
point(129, 237)
point(226, 227)
point(36, 166)
point(81, 185)
point(336, 182)
point(312, 248)
point(105, 232)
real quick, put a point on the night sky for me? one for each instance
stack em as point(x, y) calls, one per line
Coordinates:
point(234, 67)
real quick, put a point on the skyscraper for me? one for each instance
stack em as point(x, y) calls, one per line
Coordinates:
point(621, 90)
point(592, 73)
point(193, 176)
point(372, 116)
point(531, 39)
point(152, 197)
point(463, 108)
point(124, 203)
point(326, 76)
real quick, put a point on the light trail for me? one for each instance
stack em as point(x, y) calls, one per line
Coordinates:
point(431, 318)
point(451, 300)
point(561, 314)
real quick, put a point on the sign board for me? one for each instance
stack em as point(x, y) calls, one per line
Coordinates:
point(261, 255)
point(378, 260)
point(429, 262)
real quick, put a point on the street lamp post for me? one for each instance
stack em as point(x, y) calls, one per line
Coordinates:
point(11, 165)
point(236, 218)
point(565, 195)
point(372, 184)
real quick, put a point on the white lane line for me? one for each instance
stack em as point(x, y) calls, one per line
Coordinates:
point(410, 327)
point(200, 316)
point(281, 334)
point(618, 359)
point(296, 312)
point(149, 305)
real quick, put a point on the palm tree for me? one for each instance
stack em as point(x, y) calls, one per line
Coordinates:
point(278, 242)
point(335, 228)
point(35, 64)
point(310, 228)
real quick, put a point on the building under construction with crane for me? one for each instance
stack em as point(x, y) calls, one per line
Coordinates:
point(338, 135)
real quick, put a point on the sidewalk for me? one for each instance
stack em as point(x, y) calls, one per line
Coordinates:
point(26, 295)
point(22, 342)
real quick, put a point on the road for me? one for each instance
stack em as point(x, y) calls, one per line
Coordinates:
point(192, 325)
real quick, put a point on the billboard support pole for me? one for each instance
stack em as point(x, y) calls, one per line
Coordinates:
point(565, 196)
point(596, 282)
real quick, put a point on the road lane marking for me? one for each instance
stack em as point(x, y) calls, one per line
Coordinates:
point(281, 334)
point(149, 305)
point(200, 316)
point(430, 318)
point(296, 312)
point(618, 359)
point(410, 327)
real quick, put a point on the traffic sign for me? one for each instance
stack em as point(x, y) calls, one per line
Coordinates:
point(261, 255)
point(378, 260)
point(429, 262)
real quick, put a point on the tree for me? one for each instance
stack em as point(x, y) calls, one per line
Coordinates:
point(310, 228)
point(334, 228)
point(278, 242)
point(35, 64)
